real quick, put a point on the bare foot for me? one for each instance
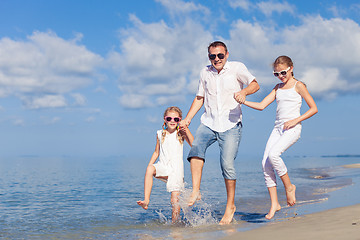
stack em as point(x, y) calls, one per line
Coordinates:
point(272, 211)
point(195, 196)
point(144, 204)
point(290, 196)
point(228, 216)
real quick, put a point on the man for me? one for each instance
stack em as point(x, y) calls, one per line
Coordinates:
point(221, 91)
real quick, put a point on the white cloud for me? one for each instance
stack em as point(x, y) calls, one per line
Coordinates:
point(269, 7)
point(80, 100)
point(46, 101)
point(158, 62)
point(325, 52)
point(178, 7)
point(45, 64)
point(244, 4)
point(157, 59)
point(50, 121)
point(135, 101)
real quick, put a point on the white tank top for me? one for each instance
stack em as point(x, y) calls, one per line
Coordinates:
point(288, 105)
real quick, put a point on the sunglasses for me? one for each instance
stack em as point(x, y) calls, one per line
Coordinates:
point(176, 119)
point(213, 56)
point(283, 72)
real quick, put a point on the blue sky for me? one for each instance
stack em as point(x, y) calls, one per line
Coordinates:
point(92, 78)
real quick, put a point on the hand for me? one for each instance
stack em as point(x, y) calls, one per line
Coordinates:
point(290, 124)
point(240, 97)
point(184, 123)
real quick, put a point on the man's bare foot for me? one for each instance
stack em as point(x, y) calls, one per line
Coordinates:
point(272, 211)
point(144, 204)
point(228, 216)
point(195, 196)
point(290, 196)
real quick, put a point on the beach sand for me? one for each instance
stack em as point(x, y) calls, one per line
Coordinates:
point(339, 223)
point(335, 224)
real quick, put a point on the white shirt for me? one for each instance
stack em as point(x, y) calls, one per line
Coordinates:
point(288, 105)
point(222, 111)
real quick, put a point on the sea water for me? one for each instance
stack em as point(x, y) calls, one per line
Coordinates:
point(95, 198)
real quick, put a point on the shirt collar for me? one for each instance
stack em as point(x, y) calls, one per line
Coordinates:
point(212, 69)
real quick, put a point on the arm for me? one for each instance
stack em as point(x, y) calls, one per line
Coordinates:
point(156, 153)
point(240, 96)
point(187, 135)
point(264, 103)
point(195, 107)
point(304, 93)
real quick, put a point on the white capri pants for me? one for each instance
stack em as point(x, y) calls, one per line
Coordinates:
point(277, 143)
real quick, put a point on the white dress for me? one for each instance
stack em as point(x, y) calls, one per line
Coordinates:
point(170, 163)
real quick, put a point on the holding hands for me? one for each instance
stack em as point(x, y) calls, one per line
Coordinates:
point(240, 97)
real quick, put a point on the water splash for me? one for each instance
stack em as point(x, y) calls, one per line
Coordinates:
point(201, 213)
point(162, 217)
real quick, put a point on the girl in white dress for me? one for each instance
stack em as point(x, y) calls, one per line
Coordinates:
point(287, 129)
point(170, 167)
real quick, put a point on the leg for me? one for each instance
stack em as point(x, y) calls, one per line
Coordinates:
point(175, 206)
point(229, 143)
point(268, 170)
point(287, 139)
point(196, 166)
point(230, 204)
point(289, 189)
point(148, 183)
point(203, 139)
point(275, 206)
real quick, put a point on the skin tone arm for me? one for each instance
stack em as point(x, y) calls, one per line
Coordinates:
point(304, 93)
point(264, 103)
point(187, 135)
point(156, 153)
point(195, 107)
point(302, 90)
point(240, 96)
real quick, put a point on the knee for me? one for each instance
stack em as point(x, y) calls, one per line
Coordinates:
point(151, 170)
point(274, 155)
point(229, 172)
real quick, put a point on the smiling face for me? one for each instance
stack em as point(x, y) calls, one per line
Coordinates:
point(279, 68)
point(218, 63)
point(171, 125)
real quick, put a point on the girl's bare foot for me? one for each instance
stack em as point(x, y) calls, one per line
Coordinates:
point(228, 216)
point(144, 204)
point(272, 211)
point(290, 195)
point(195, 196)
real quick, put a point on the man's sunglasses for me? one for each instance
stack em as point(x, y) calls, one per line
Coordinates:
point(283, 72)
point(213, 56)
point(176, 119)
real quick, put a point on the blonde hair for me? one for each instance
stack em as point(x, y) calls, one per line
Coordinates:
point(178, 134)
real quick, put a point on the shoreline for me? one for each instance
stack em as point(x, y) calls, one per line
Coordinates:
point(337, 223)
point(332, 224)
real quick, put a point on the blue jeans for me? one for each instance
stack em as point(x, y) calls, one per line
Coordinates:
point(228, 143)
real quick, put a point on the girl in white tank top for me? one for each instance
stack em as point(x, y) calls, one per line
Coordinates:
point(287, 129)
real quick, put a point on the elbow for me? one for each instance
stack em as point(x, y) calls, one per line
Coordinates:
point(316, 110)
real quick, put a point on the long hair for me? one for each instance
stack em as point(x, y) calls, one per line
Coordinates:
point(178, 134)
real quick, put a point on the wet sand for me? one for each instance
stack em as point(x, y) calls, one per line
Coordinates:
point(339, 223)
point(334, 224)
